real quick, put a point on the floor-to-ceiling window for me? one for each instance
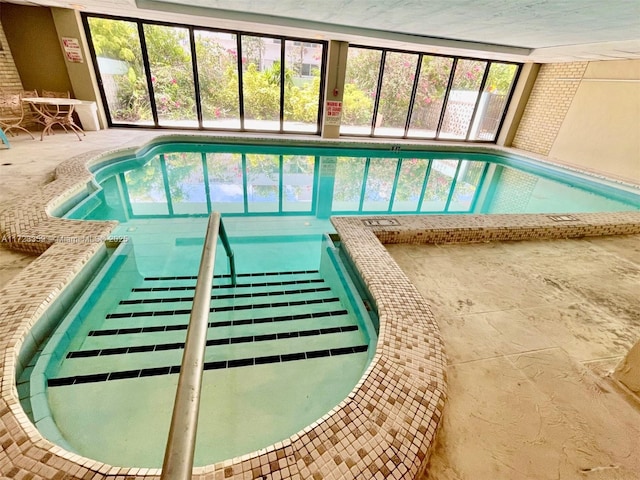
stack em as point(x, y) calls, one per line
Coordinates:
point(360, 90)
point(170, 65)
point(217, 56)
point(180, 76)
point(400, 94)
point(122, 73)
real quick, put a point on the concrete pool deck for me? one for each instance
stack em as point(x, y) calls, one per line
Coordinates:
point(531, 330)
point(325, 456)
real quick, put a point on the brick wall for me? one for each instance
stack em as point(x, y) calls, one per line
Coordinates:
point(9, 78)
point(548, 104)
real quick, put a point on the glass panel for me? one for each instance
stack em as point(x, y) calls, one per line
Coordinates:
point(467, 182)
point(217, 55)
point(302, 86)
point(438, 185)
point(121, 70)
point(395, 93)
point(380, 178)
point(347, 188)
point(261, 83)
point(263, 180)
point(297, 181)
point(493, 101)
point(171, 74)
point(361, 81)
point(186, 183)
point(226, 182)
point(410, 184)
point(462, 98)
point(432, 86)
point(146, 189)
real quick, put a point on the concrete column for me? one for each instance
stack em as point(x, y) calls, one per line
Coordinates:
point(519, 100)
point(334, 85)
point(83, 78)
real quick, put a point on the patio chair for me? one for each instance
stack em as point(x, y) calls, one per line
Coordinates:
point(54, 94)
point(12, 113)
point(31, 116)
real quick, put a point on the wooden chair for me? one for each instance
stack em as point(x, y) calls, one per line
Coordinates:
point(12, 113)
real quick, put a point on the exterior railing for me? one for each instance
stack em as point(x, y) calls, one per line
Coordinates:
point(179, 452)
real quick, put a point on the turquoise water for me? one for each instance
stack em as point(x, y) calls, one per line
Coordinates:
point(276, 204)
point(104, 414)
point(178, 180)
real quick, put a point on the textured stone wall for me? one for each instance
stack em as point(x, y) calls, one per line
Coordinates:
point(548, 105)
point(9, 78)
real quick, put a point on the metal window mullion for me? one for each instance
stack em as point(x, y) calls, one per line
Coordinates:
point(453, 186)
point(205, 176)
point(395, 185)
point(282, 80)
point(147, 71)
point(376, 103)
point(323, 81)
point(165, 182)
point(514, 81)
point(96, 68)
point(454, 66)
point(240, 82)
point(414, 92)
point(424, 185)
point(196, 78)
point(480, 91)
point(365, 178)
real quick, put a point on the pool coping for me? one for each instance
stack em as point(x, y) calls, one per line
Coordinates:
point(385, 428)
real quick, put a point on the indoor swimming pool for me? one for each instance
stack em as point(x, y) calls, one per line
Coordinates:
point(291, 341)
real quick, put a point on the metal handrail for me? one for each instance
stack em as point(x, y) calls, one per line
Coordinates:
point(179, 452)
point(229, 252)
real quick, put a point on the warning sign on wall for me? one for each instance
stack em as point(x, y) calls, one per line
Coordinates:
point(72, 51)
point(334, 110)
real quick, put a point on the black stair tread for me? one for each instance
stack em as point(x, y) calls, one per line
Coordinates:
point(174, 288)
point(212, 342)
point(222, 308)
point(211, 365)
point(226, 296)
point(238, 275)
point(158, 334)
point(218, 323)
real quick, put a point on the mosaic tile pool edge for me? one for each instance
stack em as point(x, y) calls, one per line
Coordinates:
point(384, 429)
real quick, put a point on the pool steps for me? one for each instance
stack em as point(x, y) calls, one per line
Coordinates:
point(143, 337)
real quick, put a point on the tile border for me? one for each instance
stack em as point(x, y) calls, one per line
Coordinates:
point(384, 429)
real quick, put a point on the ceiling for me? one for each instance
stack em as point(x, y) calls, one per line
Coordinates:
point(519, 30)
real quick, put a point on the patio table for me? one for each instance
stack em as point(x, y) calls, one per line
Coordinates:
point(56, 111)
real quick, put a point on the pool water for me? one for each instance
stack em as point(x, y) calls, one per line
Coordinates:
point(112, 392)
point(283, 348)
point(179, 180)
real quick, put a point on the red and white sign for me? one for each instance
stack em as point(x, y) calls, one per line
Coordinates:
point(72, 50)
point(334, 110)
